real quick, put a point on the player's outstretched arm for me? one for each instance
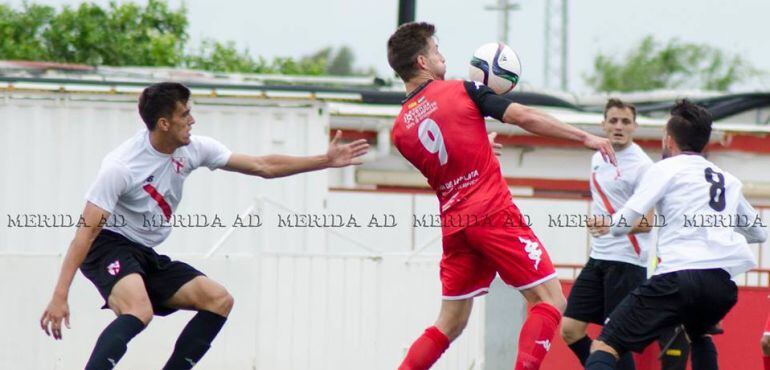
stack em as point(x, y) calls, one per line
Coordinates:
point(644, 224)
point(623, 221)
point(754, 232)
point(58, 309)
point(541, 123)
point(600, 225)
point(271, 166)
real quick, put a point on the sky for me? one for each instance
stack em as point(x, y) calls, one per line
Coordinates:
point(300, 27)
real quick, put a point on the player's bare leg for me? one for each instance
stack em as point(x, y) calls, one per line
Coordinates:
point(573, 332)
point(213, 303)
point(548, 303)
point(427, 349)
point(129, 300)
point(453, 317)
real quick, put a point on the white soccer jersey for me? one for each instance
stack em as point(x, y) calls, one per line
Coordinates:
point(610, 189)
point(699, 203)
point(142, 187)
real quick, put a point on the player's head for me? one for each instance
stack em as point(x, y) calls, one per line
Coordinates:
point(688, 129)
point(165, 107)
point(413, 51)
point(619, 122)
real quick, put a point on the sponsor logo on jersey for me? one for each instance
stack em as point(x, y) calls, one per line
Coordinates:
point(419, 112)
point(150, 178)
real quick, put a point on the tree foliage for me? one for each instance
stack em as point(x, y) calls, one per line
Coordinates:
point(128, 34)
point(125, 34)
point(651, 65)
point(225, 57)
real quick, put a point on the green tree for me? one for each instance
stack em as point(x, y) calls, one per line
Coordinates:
point(222, 57)
point(128, 34)
point(650, 65)
point(342, 63)
point(225, 57)
point(125, 34)
point(22, 32)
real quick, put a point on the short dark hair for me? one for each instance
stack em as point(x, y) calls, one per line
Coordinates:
point(617, 103)
point(409, 41)
point(689, 126)
point(159, 100)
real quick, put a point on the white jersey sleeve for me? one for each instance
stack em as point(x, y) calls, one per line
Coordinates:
point(650, 189)
point(754, 233)
point(210, 152)
point(111, 182)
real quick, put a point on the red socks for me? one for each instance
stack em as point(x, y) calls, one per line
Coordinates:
point(426, 350)
point(536, 335)
point(766, 361)
point(534, 341)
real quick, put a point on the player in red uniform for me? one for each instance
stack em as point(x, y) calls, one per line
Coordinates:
point(441, 131)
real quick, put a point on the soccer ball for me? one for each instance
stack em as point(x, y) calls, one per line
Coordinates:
point(497, 66)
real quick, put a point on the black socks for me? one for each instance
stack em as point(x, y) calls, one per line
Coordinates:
point(111, 345)
point(703, 354)
point(195, 340)
point(581, 349)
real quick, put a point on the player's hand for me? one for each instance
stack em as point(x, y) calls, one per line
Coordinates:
point(341, 155)
point(603, 146)
point(57, 311)
point(598, 225)
point(497, 148)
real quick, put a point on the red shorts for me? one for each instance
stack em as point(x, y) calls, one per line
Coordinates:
point(501, 244)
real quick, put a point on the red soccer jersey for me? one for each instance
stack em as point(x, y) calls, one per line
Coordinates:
point(441, 131)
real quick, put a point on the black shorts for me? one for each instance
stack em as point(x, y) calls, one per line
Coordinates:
point(600, 287)
point(698, 299)
point(112, 256)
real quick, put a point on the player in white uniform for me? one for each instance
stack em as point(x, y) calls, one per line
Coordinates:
point(137, 189)
point(617, 264)
point(702, 245)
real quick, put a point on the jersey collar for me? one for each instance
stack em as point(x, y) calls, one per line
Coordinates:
point(151, 149)
point(416, 91)
point(687, 152)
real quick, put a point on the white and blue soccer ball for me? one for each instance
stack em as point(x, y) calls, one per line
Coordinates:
point(497, 66)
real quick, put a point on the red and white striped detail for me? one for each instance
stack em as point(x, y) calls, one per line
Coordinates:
point(611, 210)
point(164, 206)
